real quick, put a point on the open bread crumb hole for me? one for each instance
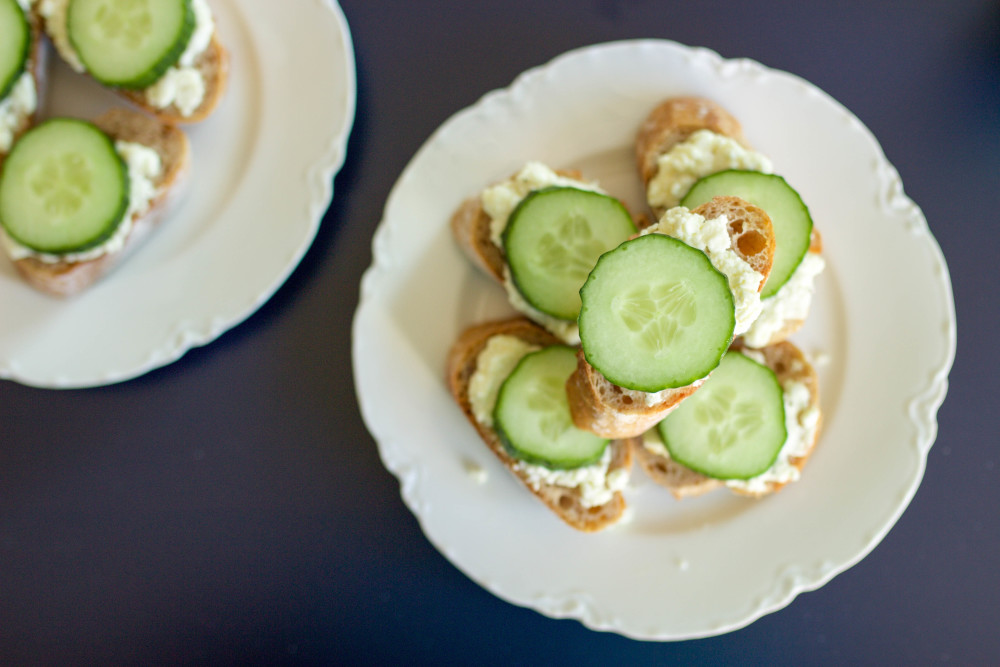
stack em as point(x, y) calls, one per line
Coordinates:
point(751, 243)
point(626, 399)
point(565, 502)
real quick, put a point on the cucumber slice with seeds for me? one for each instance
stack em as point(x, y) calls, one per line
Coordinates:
point(789, 215)
point(656, 314)
point(734, 426)
point(532, 413)
point(15, 44)
point(129, 43)
point(63, 188)
point(553, 239)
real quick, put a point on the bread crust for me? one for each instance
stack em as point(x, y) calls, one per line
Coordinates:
point(788, 363)
point(598, 405)
point(564, 502)
point(67, 278)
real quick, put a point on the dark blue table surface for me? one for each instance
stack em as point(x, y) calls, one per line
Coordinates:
point(231, 508)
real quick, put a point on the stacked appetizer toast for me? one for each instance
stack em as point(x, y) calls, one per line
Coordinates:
point(662, 340)
point(76, 195)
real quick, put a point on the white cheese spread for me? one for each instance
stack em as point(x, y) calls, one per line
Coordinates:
point(499, 201)
point(712, 238)
point(497, 360)
point(143, 168)
point(18, 105)
point(595, 484)
point(181, 85)
point(791, 302)
point(701, 154)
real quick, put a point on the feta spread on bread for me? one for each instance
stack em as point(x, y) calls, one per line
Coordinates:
point(21, 102)
point(496, 361)
point(791, 302)
point(702, 154)
point(801, 422)
point(712, 237)
point(596, 485)
point(499, 201)
point(144, 167)
point(182, 85)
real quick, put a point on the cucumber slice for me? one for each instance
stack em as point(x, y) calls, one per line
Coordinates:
point(63, 187)
point(789, 215)
point(734, 426)
point(532, 413)
point(656, 314)
point(553, 239)
point(129, 43)
point(15, 44)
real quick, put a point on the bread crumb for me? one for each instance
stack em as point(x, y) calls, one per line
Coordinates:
point(476, 472)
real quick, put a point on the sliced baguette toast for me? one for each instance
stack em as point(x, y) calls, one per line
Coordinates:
point(35, 66)
point(564, 502)
point(608, 410)
point(789, 364)
point(672, 122)
point(65, 278)
point(212, 64)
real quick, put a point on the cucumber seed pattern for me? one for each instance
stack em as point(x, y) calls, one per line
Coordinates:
point(127, 21)
point(658, 313)
point(726, 420)
point(62, 182)
point(546, 398)
point(571, 248)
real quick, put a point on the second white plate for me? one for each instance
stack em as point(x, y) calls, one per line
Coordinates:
point(260, 180)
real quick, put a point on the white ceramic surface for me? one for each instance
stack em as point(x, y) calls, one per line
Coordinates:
point(260, 180)
point(882, 330)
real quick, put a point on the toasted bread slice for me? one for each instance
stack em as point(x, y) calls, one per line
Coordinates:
point(567, 503)
point(35, 67)
point(65, 278)
point(608, 410)
point(673, 121)
point(212, 64)
point(790, 365)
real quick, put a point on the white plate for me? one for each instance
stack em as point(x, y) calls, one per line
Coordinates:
point(261, 178)
point(883, 317)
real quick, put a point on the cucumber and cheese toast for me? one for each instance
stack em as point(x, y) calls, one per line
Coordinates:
point(22, 71)
point(691, 149)
point(539, 234)
point(751, 427)
point(526, 423)
point(659, 332)
point(66, 194)
point(162, 55)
